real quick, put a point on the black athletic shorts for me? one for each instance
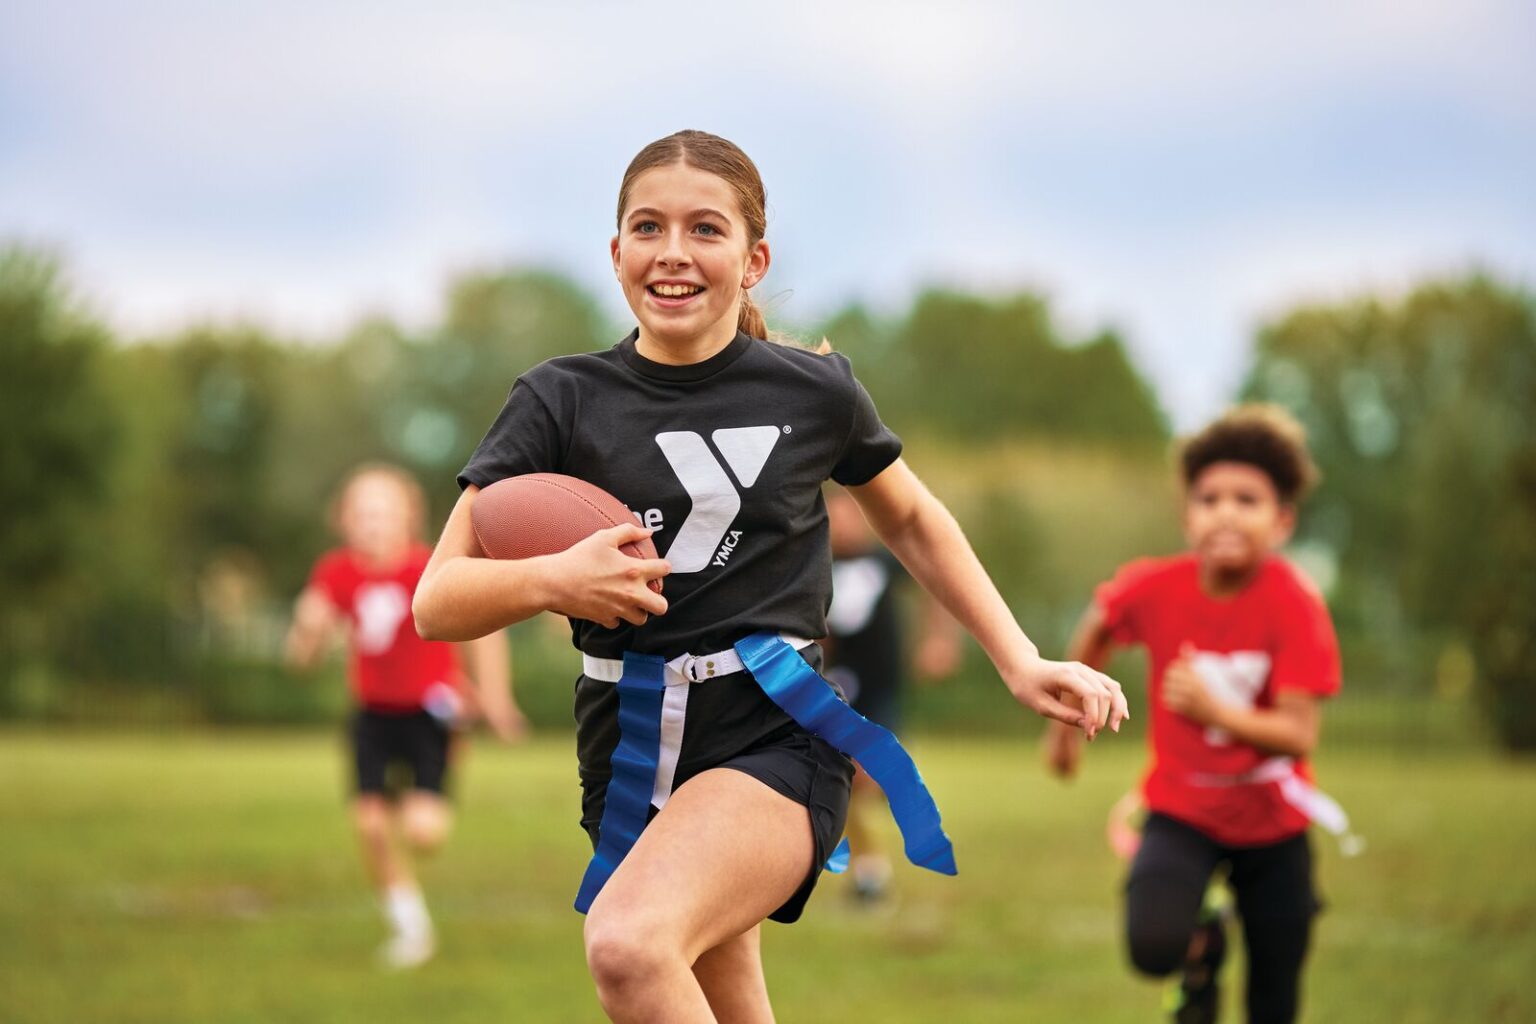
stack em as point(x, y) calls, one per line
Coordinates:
point(393, 752)
point(788, 760)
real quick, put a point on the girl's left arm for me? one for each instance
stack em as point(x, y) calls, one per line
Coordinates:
point(920, 531)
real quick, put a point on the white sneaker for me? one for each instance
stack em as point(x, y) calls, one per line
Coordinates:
point(402, 952)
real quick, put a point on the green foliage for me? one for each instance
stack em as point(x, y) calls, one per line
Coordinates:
point(979, 369)
point(445, 387)
point(1422, 415)
point(165, 500)
point(57, 433)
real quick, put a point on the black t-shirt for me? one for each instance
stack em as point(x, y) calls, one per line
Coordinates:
point(865, 626)
point(724, 458)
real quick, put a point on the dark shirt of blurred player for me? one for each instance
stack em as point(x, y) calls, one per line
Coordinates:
point(867, 657)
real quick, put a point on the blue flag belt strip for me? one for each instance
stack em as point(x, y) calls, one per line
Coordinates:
point(650, 733)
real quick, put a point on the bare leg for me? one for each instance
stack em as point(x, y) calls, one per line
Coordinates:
point(731, 976)
point(425, 820)
point(723, 854)
point(371, 818)
point(861, 838)
point(871, 867)
point(411, 941)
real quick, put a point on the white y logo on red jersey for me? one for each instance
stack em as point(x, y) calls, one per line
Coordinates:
point(380, 608)
point(1236, 679)
point(703, 535)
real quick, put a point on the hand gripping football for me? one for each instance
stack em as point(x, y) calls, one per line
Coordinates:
point(545, 513)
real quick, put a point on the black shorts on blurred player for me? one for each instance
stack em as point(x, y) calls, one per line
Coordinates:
point(394, 752)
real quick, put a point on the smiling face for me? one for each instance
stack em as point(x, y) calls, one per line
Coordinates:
point(1233, 518)
point(683, 256)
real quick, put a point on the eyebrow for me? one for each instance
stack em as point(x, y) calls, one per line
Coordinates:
point(704, 211)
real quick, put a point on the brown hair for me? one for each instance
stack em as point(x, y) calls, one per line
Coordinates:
point(1261, 435)
point(415, 498)
point(724, 159)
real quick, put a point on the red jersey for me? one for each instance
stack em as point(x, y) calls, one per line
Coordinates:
point(1274, 635)
point(391, 666)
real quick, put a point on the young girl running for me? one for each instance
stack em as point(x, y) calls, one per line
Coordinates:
point(1242, 655)
point(720, 442)
point(408, 691)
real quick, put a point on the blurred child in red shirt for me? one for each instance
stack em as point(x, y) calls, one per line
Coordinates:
point(410, 693)
point(1242, 653)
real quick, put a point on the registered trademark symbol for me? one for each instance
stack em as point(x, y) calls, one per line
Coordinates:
point(787, 430)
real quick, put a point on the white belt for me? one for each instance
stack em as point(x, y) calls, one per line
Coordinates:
point(1319, 807)
point(685, 668)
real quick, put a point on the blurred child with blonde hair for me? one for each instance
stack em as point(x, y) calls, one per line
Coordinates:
point(410, 694)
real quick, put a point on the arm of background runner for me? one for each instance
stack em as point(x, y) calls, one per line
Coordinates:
point(938, 641)
point(315, 621)
point(464, 595)
point(1290, 727)
point(920, 531)
point(488, 663)
point(1090, 644)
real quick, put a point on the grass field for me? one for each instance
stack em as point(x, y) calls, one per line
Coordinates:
point(211, 878)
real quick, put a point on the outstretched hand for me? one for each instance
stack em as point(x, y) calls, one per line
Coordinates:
point(1043, 686)
point(598, 582)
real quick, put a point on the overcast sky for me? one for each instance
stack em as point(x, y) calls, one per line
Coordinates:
point(1176, 170)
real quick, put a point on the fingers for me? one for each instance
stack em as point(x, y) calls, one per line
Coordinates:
point(1119, 707)
point(654, 568)
point(1048, 706)
point(624, 533)
point(1094, 710)
point(1103, 700)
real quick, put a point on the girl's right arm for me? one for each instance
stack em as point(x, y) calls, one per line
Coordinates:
point(463, 594)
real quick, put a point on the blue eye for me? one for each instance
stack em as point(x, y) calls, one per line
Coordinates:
point(708, 229)
point(647, 227)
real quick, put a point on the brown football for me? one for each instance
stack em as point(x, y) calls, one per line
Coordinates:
point(545, 513)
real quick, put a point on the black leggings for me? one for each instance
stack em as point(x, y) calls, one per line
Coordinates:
point(1275, 900)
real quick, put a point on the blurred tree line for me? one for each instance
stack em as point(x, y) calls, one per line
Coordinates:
point(1422, 415)
point(165, 497)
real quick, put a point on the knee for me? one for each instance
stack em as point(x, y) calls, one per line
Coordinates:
point(1156, 952)
point(371, 819)
point(425, 827)
point(622, 955)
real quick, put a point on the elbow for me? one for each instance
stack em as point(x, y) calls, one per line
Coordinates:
point(428, 624)
point(1299, 745)
point(1305, 745)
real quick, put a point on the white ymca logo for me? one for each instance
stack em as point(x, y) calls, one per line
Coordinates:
point(380, 607)
point(1235, 679)
point(706, 535)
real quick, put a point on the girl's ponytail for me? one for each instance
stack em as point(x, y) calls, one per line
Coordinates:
point(750, 321)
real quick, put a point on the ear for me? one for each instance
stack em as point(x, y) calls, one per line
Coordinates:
point(758, 258)
point(613, 250)
point(1285, 523)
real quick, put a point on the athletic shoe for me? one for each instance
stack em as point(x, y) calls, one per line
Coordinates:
point(1197, 997)
point(403, 952)
point(869, 891)
point(871, 879)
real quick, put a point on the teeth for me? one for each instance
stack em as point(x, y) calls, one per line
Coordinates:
point(674, 291)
